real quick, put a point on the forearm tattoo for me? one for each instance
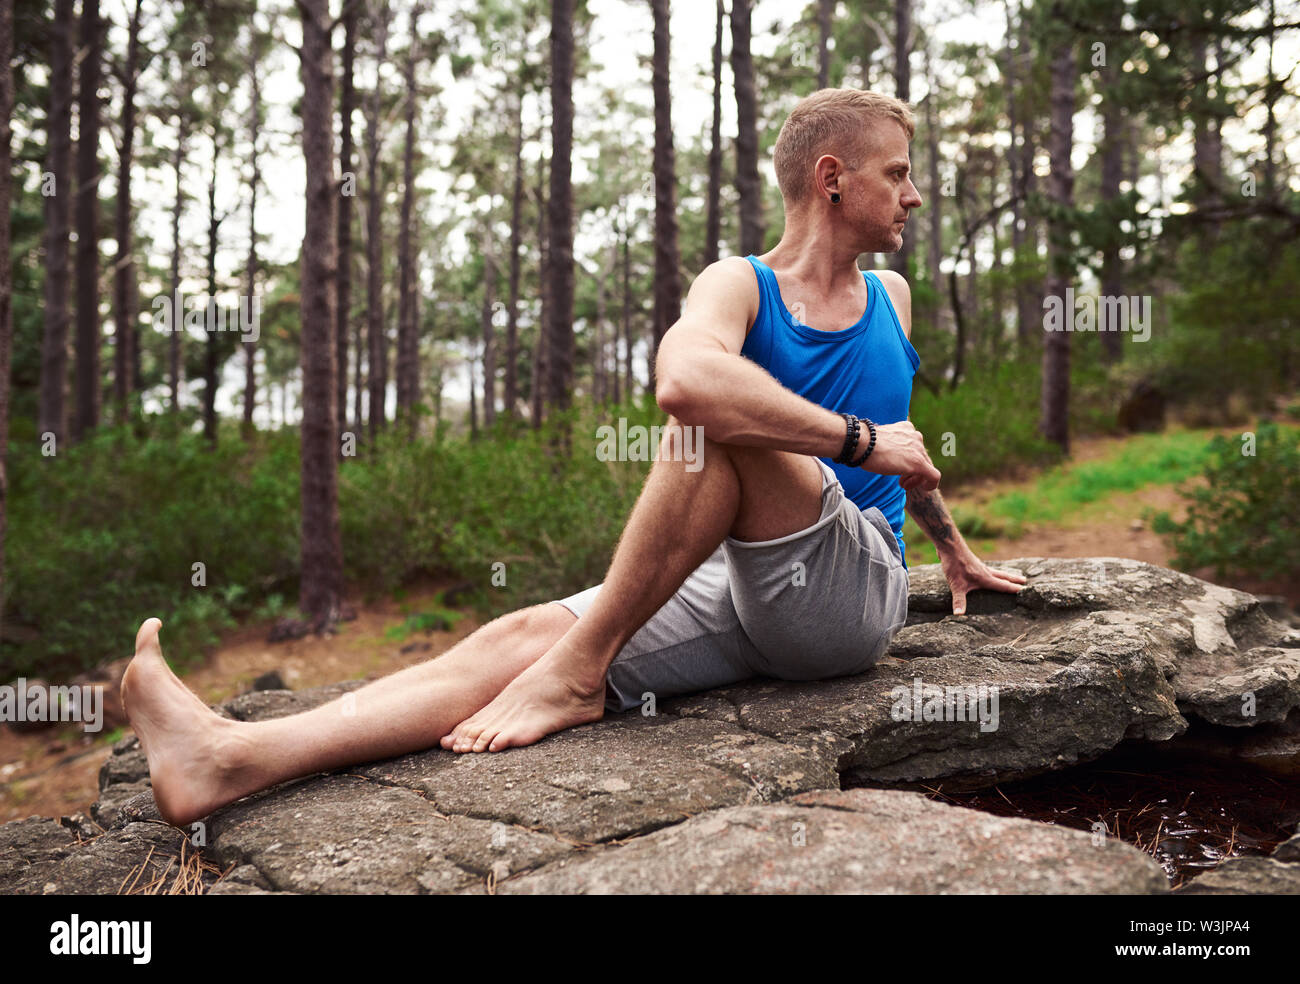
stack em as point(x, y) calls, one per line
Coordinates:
point(930, 513)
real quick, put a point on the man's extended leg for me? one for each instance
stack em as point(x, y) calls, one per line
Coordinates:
point(199, 761)
point(679, 519)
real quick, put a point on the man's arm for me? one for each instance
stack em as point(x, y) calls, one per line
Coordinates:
point(702, 379)
point(931, 514)
point(927, 508)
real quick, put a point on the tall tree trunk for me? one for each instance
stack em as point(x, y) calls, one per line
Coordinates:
point(343, 314)
point(87, 210)
point(178, 204)
point(628, 380)
point(900, 261)
point(6, 283)
point(250, 346)
point(378, 340)
point(321, 587)
point(516, 220)
point(407, 341)
point(668, 281)
point(485, 323)
point(713, 222)
point(124, 266)
point(54, 344)
point(561, 343)
point(1207, 146)
point(1026, 316)
point(539, 373)
point(619, 236)
point(825, 14)
point(936, 193)
point(210, 360)
point(747, 179)
point(1029, 181)
point(473, 394)
point(1112, 169)
point(1056, 345)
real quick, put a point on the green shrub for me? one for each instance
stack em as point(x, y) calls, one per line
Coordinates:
point(981, 427)
point(106, 533)
point(1246, 520)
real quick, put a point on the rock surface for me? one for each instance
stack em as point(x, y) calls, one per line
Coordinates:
point(739, 790)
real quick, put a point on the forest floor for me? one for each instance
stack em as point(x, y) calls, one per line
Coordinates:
point(53, 773)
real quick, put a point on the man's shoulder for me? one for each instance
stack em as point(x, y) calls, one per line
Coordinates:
point(730, 282)
point(901, 295)
point(728, 272)
point(892, 279)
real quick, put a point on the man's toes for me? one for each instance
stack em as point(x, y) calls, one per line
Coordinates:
point(484, 739)
point(467, 736)
point(146, 639)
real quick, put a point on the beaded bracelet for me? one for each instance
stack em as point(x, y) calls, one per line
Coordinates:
point(852, 431)
point(871, 445)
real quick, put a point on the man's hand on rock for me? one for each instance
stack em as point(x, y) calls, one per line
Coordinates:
point(966, 572)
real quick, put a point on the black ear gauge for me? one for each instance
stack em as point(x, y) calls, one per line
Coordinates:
point(835, 197)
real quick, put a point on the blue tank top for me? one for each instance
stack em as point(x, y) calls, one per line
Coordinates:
point(866, 369)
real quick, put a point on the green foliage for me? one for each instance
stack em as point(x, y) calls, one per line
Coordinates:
point(436, 619)
point(461, 507)
point(981, 427)
point(106, 533)
point(1244, 520)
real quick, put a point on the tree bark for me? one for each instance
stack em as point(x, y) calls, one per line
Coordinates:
point(561, 343)
point(1056, 345)
point(538, 380)
point(825, 14)
point(628, 380)
point(747, 179)
point(321, 586)
point(407, 340)
point(713, 221)
point(250, 346)
point(124, 265)
point(668, 282)
point(54, 344)
point(1112, 169)
point(87, 211)
point(6, 283)
point(178, 204)
point(1026, 316)
point(210, 366)
point(485, 324)
point(936, 195)
point(516, 221)
point(900, 261)
point(377, 340)
point(343, 314)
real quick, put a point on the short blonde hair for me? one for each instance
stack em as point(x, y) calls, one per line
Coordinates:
point(831, 121)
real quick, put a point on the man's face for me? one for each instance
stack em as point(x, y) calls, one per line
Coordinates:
point(879, 195)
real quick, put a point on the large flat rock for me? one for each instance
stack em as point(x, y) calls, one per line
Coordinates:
point(708, 795)
point(872, 841)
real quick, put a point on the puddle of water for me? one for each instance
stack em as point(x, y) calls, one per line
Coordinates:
point(1190, 814)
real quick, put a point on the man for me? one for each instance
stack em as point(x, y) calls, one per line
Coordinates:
point(764, 561)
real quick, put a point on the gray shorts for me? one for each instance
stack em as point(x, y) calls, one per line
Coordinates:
point(823, 602)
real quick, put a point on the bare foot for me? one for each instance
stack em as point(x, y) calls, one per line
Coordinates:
point(547, 697)
point(189, 747)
